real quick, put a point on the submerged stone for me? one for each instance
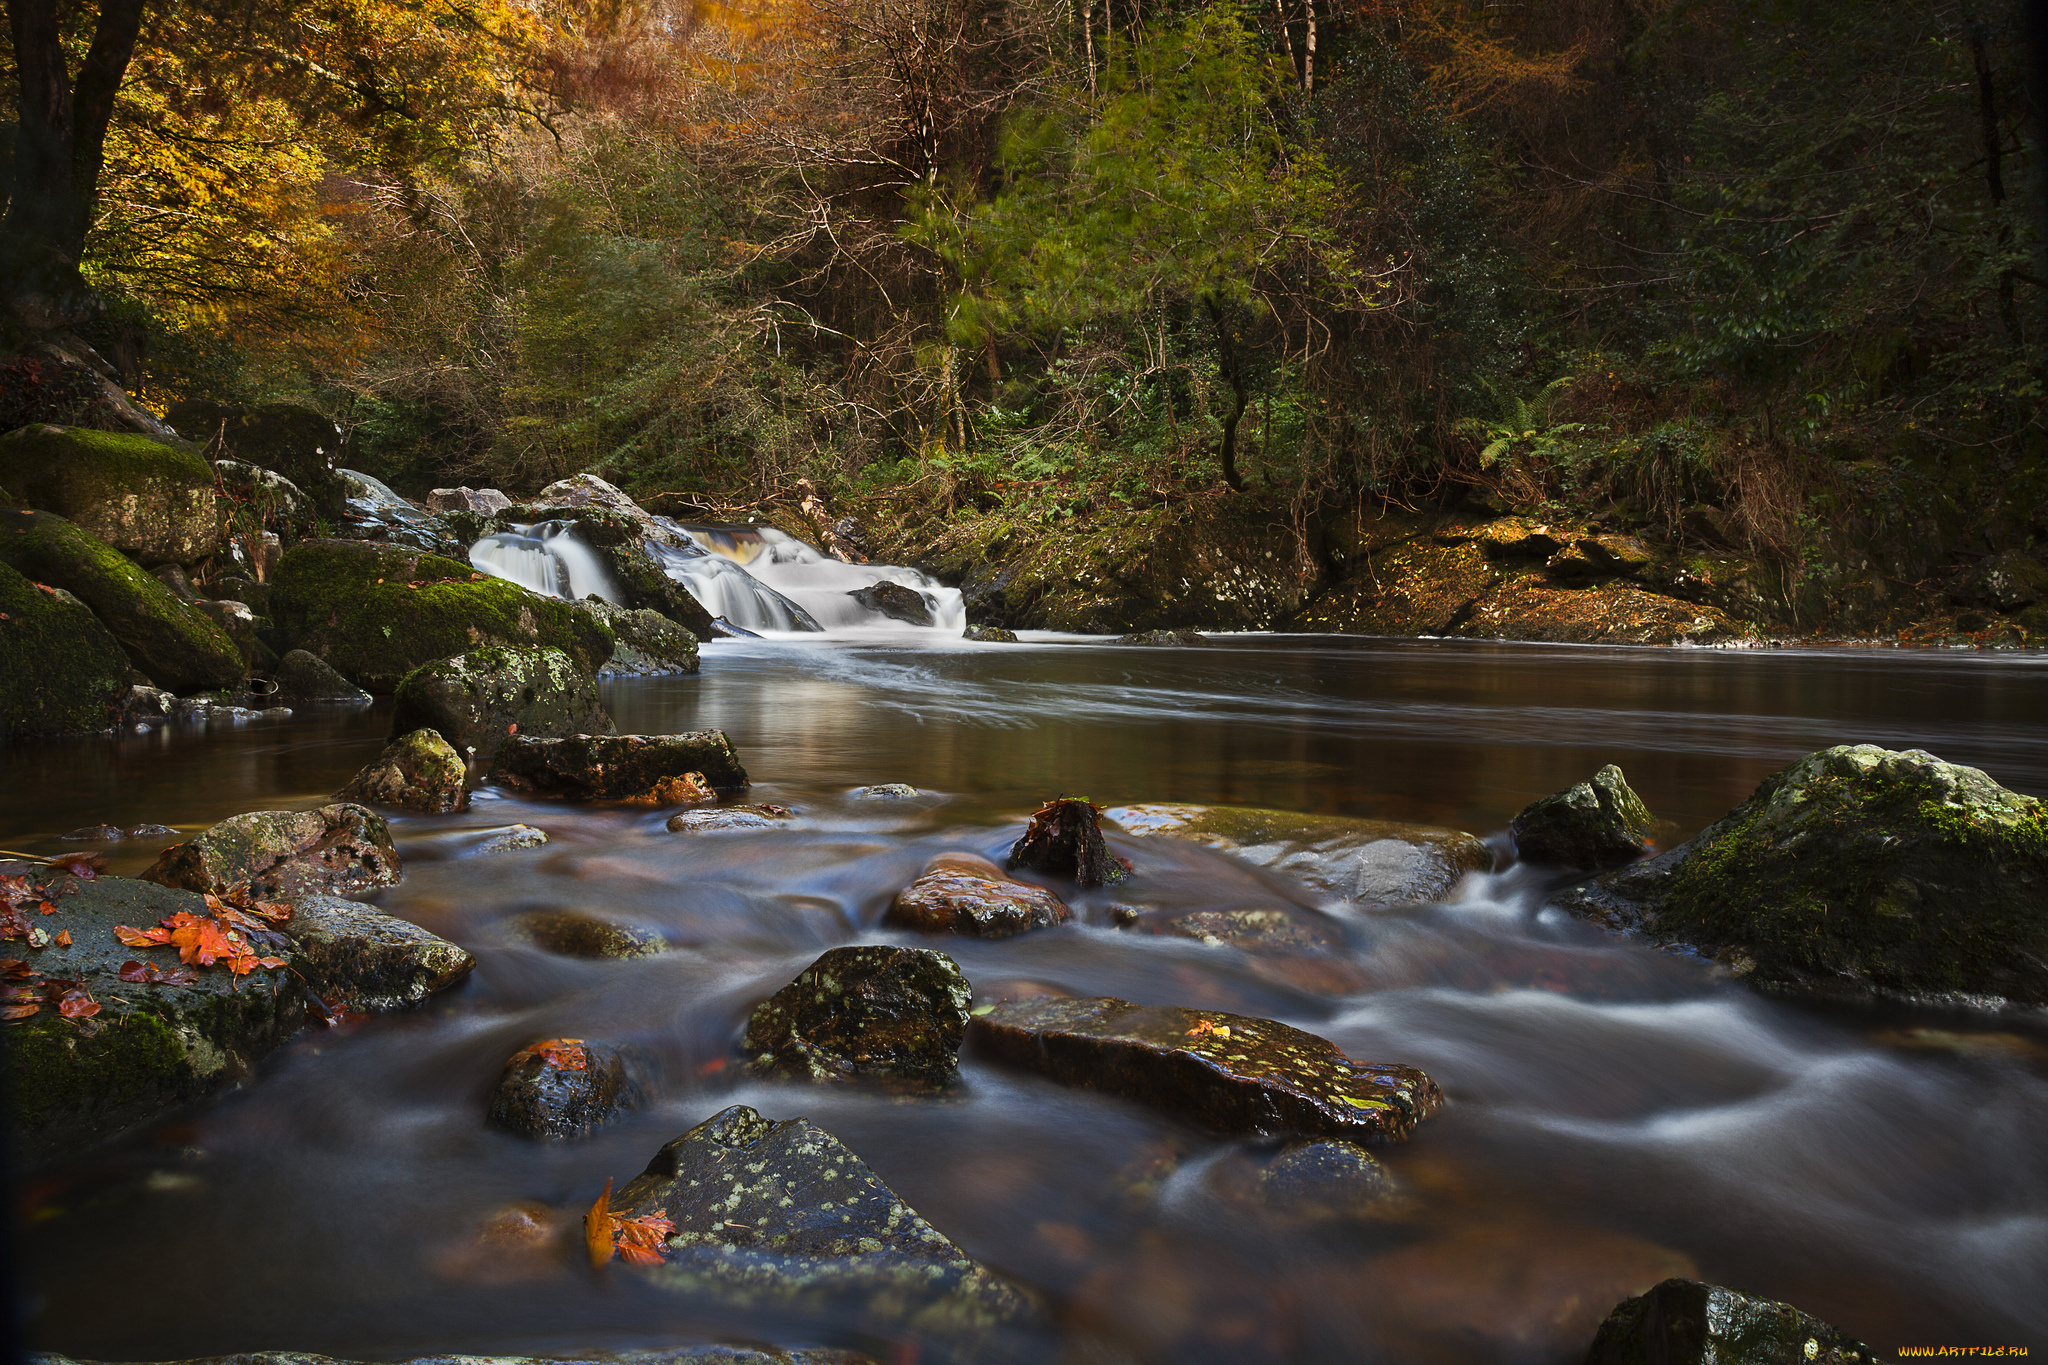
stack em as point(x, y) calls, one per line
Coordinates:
point(761, 816)
point(871, 1013)
point(342, 850)
point(1271, 929)
point(781, 1215)
point(365, 962)
point(1856, 872)
point(1226, 1072)
point(508, 839)
point(417, 771)
point(1321, 1180)
point(1370, 862)
point(563, 1088)
point(887, 791)
point(615, 767)
point(573, 933)
point(1684, 1322)
point(1587, 825)
point(480, 699)
point(963, 893)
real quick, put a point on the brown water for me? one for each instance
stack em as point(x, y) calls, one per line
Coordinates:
point(1615, 1115)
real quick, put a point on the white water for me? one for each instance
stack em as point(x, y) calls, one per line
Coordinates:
point(547, 558)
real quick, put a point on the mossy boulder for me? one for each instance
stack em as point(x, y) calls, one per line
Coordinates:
point(780, 1216)
point(293, 440)
point(175, 643)
point(1588, 824)
point(343, 849)
point(871, 1013)
point(1531, 606)
point(478, 700)
point(616, 767)
point(649, 644)
point(359, 960)
point(303, 676)
point(419, 771)
point(1684, 1322)
point(61, 673)
point(151, 1048)
point(149, 500)
point(377, 612)
point(1857, 872)
point(562, 1088)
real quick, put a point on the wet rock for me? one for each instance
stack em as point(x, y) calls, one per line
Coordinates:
point(963, 893)
point(573, 933)
point(615, 767)
point(561, 1088)
point(342, 850)
point(61, 672)
point(151, 1047)
point(1370, 862)
point(782, 1215)
point(1181, 638)
point(887, 791)
point(990, 635)
point(478, 700)
point(371, 511)
point(484, 502)
point(377, 612)
point(364, 962)
point(1684, 1322)
point(648, 643)
point(869, 1013)
point(1532, 607)
point(148, 831)
point(151, 501)
point(1857, 872)
point(510, 838)
point(1226, 1072)
point(762, 816)
point(417, 771)
point(141, 703)
point(1064, 839)
point(172, 576)
point(588, 490)
point(237, 622)
point(896, 602)
point(172, 642)
point(264, 500)
point(1588, 824)
point(90, 834)
point(1324, 1180)
point(628, 544)
point(1412, 587)
point(306, 677)
point(1257, 930)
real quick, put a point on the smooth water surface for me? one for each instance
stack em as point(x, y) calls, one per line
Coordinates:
point(1616, 1115)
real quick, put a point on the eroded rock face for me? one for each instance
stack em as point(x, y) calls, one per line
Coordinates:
point(615, 767)
point(964, 893)
point(782, 1214)
point(417, 771)
point(1856, 872)
point(61, 673)
point(339, 850)
point(1588, 824)
point(1369, 862)
point(151, 501)
point(157, 1046)
point(1684, 1322)
point(171, 641)
point(562, 1088)
point(870, 1013)
point(896, 602)
point(306, 677)
point(1226, 1072)
point(359, 960)
point(478, 700)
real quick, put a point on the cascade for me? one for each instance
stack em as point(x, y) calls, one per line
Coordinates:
point(547, 558)
point(819, 586)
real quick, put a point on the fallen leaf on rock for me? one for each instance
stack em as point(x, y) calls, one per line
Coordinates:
point(131, 937)
point(84, 866)
point(566, 1054)
point(597, 1227)
point(641, 1240)
point(78, 1005)
point(63, 938)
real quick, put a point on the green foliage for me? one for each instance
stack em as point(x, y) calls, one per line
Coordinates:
point(1521, 429)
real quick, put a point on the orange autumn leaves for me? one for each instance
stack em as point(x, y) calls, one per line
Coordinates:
point(222, 936)
point(638, 1241)
point(564, 1054)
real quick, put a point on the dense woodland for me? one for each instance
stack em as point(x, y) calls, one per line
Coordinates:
point(1776, 258)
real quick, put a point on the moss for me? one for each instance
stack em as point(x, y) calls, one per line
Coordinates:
point(355, 605)
point(60, 671)
point(149, 499)
point(178, 646)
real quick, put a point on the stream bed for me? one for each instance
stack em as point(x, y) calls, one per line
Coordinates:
point(1615, 1114)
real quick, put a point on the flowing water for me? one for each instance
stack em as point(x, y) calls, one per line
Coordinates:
point(1615, 1115)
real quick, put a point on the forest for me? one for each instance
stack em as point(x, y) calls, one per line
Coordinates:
point(1765, 274)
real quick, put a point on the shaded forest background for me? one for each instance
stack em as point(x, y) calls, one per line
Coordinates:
point(1773, 262)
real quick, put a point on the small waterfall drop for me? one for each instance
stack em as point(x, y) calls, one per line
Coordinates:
point(819, 586)
point(548, 559)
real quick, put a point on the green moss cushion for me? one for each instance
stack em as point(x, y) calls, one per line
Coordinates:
point(60, 672)
point(145, 498)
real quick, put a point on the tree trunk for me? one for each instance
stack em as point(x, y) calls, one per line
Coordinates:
point(1987, 111)
point(60, 145)
point(1226, 351)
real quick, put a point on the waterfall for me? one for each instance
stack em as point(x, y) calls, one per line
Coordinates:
point(728, 591)
point(819, 586)
point(549, 559)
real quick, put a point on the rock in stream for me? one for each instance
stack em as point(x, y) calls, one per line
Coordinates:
point(615, 767)
point(964, 893)
point(1684, 1322)
point(343, 849)
point(871, 1013)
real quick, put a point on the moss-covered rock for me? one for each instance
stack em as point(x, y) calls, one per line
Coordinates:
point(1588, 824)
point(303, 676)
point(562, 1088)
point(575, 933)
point(649, 644)
point(149, 500)
point(1413, 587)
point(151, 1048)
point(364, 962)
point(177, 645)
point(872, 1013)
point(377, 612)
point(964, 893)
point(293, 440)
point(480, 699)
point(989, 635)
point(1371, 862)
point(1226, 1072)
point(1857, 872)
point(1684, 1322)
point(616, 767)
point(61, 673)
point(419, 771)
point(342, 850)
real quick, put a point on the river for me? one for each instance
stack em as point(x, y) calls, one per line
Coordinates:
point(1613, 1111)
